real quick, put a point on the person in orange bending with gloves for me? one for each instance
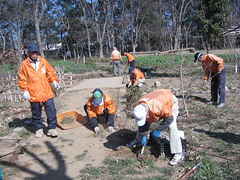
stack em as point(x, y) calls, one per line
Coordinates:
point(34, 76)
point(131, 61)
point(100, 104)
point(215, 64)
point(152, 107)
point(116, 59)
point(137, 78)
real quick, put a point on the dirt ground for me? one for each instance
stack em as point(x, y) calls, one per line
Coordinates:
point(74, 149)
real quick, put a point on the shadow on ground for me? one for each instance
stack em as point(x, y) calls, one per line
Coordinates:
point(53, 174)
point(225, 136)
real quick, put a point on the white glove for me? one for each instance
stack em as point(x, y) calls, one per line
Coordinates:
point(111, 130)
point(130, 84)
point(56, 85)
point(96, 129)
point(26, 95)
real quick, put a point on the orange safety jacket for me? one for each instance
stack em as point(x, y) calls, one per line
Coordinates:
point(115, 55)
point(212, 63)
point(93, 111)
point(159, 103)
point(129, 57)
point(136, 75)
point(37, 83)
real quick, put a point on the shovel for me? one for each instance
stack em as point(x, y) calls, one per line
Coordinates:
point(140, 155)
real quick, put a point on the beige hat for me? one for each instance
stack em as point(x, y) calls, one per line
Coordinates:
point(140, 113)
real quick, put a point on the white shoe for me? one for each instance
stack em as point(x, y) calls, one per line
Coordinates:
point(220, 105)
point(176, 159)
point(52, 132)
point(96, 129)
point(111, 130)
point(39, 133)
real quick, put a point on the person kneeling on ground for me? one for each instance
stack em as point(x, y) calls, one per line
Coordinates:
point(137, 78)
point(152, 107)
point(100, 104)
point(34, 75)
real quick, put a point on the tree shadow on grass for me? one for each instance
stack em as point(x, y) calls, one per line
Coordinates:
point(53, 174)
point(225, 136)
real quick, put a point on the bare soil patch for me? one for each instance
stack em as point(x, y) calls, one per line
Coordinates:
point(210, 132)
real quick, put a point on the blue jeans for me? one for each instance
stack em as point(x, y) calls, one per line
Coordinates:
point(116, 63)
point(50, 110)
point(218, 87)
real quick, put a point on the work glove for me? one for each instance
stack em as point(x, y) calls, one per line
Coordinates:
point(130, 84)
point(56, 85)
point(110, 63)
point(26, 95)
point(96, 129)
point(144, 141)
point(111, 130)
point(156, 134)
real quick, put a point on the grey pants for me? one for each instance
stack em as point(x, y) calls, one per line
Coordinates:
point(116, 63)
point(174, 137)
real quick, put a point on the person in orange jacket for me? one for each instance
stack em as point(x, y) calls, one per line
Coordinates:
point(131, 61)
point(116, 59)
point(151, 108)
point(100, 104)
point(215, 64)
point(34, 76)
point(137, 78)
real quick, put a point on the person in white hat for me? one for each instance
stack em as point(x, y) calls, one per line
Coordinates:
point(152, 107)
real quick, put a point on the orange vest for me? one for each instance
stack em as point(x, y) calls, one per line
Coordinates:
point(107, 104)
point(129, 57)
point(159, 103)
point(212, 63)
point(136, 75)
point(37, 83)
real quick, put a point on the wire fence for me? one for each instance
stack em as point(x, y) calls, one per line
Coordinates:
point(9, 90)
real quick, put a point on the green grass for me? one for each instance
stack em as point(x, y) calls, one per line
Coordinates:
point(81, 156)
point(209, 169)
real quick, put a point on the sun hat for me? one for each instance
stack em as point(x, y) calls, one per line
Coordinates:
point(97, 96)
point(33, 47)
point(197, 56)
point(140, 113)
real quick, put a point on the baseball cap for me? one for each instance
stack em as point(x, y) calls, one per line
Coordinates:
point(97, 96)
point(197, 56)
point(140, 113)
point(33, 47)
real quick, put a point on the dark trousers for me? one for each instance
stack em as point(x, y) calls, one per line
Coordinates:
point(108, 118)
point(218, 86)
point(50, 110)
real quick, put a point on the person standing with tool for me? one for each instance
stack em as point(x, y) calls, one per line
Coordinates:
point(137, 78)
point(116, 59)
point(131, 61)
point(100, 104)
point(34, 76)
point(152, 107)
point(215, 64)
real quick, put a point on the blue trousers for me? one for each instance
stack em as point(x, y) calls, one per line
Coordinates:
point(109, 118)
point(50, 110)
point(218, 87)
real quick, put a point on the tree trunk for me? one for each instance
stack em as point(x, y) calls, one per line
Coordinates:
point(37, 22)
